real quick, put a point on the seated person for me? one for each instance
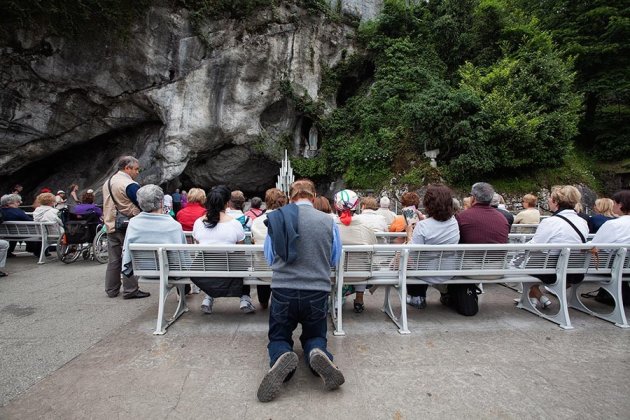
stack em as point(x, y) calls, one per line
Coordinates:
point(370, 217)
point(439, 228)
point(151, 226)
point(195, 208)
point(531, 215)
point(11, 212)
point(255, 210)
point(353, 231)
point(564, 227)
point(384, 211)
point(322, 204)
point(218, 228)
point(45, 212)
point(274, 199)
point(604, 207)
point(499, 204)
point(466, 203)
point(4, 248)
point(411, 214)
point(87, 205)
point(616, 231)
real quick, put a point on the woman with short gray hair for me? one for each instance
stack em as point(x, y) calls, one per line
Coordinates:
point(150, 198)
point(151, 226)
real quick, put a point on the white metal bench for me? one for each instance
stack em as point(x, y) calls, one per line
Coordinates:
point(363, 265)
point(45, 232)
point(496, 263)
point(607, 270)
point(172, 266)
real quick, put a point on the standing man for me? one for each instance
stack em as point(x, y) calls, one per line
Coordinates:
point(177, 201)
point(119, 193)
point(301, 246)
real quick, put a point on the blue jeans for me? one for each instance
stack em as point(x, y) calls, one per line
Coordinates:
point(290, 307)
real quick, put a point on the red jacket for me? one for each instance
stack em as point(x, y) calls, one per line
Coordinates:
point(187, 216)
point(254, 213)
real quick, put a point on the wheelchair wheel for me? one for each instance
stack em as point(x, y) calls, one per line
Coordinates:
point(99, 247)
point(67, 253)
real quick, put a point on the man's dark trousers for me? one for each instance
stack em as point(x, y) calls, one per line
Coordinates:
point(290, 307)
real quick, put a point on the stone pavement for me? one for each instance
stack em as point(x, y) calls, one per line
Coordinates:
point(68, 352)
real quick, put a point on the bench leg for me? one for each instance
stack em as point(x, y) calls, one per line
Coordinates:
point(558, 289)
point(161, 326)
point(338, 309)
point(617, 316)
point(389, 311)
point(42, 253)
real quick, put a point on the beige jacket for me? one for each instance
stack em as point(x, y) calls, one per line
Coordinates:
point(357, 233)
point(119, 182)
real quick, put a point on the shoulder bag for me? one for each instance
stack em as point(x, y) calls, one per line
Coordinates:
point(121, 221)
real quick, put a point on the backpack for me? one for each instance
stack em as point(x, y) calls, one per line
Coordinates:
point(463, 298)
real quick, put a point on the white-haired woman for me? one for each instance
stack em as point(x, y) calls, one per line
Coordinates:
point(151, 226)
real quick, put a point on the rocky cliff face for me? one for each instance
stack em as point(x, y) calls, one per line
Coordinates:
point(194, 105)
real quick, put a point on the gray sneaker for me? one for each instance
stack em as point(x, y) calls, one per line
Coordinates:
point(246, 305)
point(206, 305)
point(419, 302)
point(270, 385)
point(330, 374)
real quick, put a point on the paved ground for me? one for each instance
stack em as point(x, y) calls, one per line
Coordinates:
point(67, 351)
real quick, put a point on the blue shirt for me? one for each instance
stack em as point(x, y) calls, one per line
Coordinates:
point(131, 191)
point(336, 243)
point(12, 214)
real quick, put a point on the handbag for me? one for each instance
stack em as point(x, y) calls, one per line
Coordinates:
point(121, 221)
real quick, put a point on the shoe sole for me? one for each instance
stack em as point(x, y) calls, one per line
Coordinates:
point(271, 383)
point(206, 309)
point(248, 309)
point(332, 377)
point(136, 296)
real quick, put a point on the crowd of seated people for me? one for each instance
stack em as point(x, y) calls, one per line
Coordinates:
point(220, 218)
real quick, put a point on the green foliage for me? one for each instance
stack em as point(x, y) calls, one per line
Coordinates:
point(313, 168)
point(597, 34)
point(576, 168)
point(476, 79)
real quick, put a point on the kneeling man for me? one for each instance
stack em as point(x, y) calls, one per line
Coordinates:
point(301, 246)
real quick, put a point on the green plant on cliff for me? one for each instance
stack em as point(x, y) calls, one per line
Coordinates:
point(493, 98)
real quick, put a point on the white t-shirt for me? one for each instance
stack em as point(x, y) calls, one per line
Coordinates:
point(433, 232)
point(224, 233)
point(554, 230)
point(615, 231)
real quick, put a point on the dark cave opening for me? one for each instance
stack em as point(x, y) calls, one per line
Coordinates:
point(352, 82)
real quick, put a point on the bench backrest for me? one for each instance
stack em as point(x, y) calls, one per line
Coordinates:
point(199, 260)
point(384, 262)
point(27, 230)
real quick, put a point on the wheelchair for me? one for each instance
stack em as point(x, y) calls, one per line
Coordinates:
point(84, 235)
